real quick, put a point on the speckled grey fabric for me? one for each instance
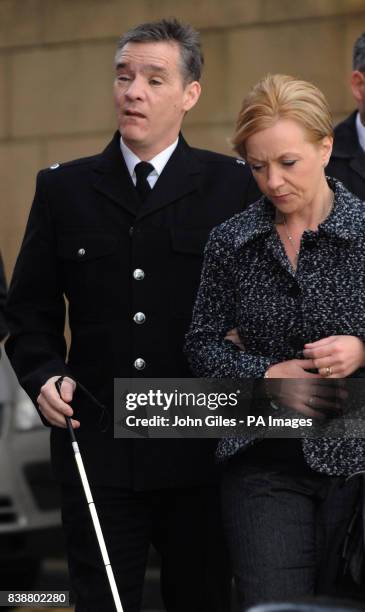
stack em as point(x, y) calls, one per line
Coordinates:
point(249, 283)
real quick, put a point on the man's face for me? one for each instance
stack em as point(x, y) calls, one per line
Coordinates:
point(150, 96)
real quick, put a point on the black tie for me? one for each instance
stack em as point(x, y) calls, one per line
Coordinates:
point(142, 170)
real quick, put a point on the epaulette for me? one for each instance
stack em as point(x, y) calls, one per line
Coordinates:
point(74, 162)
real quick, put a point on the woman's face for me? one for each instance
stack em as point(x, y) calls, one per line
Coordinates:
point(288, 168)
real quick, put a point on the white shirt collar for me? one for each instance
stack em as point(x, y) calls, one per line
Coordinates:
point(159, 161)
point(360, 128)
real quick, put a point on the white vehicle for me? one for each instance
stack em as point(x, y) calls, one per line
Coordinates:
point(29, 501)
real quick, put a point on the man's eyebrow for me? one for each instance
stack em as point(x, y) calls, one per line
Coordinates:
point(145, 68)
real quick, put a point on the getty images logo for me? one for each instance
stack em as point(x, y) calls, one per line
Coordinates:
point(160, 399)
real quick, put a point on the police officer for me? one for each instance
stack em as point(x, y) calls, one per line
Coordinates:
point(121, 235)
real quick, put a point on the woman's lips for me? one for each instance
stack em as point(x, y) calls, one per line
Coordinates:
point(279, 197)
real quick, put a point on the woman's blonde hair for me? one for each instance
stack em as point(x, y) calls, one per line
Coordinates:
point(279, 96)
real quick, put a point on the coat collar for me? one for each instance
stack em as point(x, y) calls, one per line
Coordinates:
point(177, 179)
point(346, 143)
point(347, 147)
point(346, 221)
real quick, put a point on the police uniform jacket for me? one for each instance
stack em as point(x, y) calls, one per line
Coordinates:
point(86, 241)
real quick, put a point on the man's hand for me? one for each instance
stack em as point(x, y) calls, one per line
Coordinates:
point(232, 336)
point(293, 368)
point(336, 356)
point(53, 407)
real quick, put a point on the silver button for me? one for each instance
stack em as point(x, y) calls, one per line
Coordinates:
point(139, 318)
point(55, 166)
point(81, 252)
point(138, 274)
point(139, 363)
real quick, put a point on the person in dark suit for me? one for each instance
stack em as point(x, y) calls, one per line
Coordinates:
point(121, 235)
point(347, 162)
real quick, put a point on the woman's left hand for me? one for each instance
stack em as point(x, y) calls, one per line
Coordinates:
point(336, 356)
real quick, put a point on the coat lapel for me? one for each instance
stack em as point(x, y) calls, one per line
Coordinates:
point(347, 146)
point(358, 164)
point(178, 178)
point(112, 178)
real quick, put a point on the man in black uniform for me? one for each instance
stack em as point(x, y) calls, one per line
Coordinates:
point(347, 162)
point(121, 235)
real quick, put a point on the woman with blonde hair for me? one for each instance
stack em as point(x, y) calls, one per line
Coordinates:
point(289, 274)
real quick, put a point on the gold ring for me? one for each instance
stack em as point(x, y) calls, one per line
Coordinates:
point(328, 371)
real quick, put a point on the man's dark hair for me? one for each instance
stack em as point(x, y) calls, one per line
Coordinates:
point(358, 57)
point(171, 30)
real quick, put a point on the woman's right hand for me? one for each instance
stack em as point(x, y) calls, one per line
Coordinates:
point(291, 385)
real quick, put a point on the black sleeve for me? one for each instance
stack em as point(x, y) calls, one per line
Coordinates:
point(35, 309)
point(3, 326)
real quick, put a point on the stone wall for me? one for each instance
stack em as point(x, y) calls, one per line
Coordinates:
point(56, 74)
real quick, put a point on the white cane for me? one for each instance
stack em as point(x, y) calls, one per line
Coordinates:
point(92, 508)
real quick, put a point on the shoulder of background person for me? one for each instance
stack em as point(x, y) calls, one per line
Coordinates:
point(346, 143)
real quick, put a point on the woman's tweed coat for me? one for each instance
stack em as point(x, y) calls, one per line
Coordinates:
point(249, 283)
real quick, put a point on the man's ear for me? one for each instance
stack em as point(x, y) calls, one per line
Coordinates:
point(358, 85)
point(191, 95)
